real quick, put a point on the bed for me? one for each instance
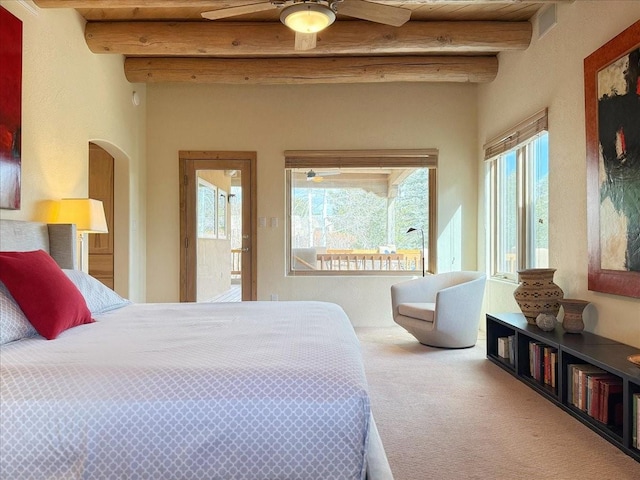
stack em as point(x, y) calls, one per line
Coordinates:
point(250, 390)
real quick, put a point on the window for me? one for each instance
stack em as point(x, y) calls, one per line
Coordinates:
point(349, 212)
point(519, 198)
point(206, 209)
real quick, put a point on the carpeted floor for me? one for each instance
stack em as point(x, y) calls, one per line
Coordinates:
point(452, 414)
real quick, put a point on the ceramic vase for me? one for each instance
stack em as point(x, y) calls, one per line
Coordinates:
point(546, 321)
point(572, 321)
point(537, 293)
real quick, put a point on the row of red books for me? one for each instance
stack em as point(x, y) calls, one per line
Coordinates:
point(596, 392)
point(543, 363)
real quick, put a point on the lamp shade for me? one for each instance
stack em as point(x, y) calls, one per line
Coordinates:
point(86, 213)
point(307, 17)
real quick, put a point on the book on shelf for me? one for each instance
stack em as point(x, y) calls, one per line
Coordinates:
point(506, 348)
point(635, 405)
point(594, 401)
point(611, 401)
point(543, 362)
point(512, 349)
point(576, 375)
point(533, 359)
point(550, 366)
point(503, 347)
point(569, 382)
point(546, 365)
point(583, 386)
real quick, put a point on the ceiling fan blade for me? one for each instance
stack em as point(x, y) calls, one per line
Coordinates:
point(241, 10)
point(305, 41)
point(319, 176)
point(374, 12)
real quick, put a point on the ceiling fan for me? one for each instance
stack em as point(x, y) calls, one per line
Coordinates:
point(319, 176)
point(307, 17)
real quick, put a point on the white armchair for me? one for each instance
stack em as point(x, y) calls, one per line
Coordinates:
point(440, 310)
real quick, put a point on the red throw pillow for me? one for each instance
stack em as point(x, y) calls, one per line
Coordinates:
point(50, 301)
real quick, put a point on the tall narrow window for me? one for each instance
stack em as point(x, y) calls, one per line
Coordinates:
point(538, 215)
point(519, 200)
point(350, 212)
point(506, 213)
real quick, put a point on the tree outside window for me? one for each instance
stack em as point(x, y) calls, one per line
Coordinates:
point(354, 220)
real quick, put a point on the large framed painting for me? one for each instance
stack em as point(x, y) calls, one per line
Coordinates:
point(10, 109)
point(612, 114)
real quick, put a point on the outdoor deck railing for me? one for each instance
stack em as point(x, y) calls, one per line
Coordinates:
point(348, 261)
point(353, 260)
point(360, 261)
point(236, 261)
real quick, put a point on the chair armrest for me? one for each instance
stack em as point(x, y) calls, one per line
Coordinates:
point(465, 299)
point(419, 290)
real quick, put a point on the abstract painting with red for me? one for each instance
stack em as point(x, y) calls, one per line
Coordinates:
point(10, 109)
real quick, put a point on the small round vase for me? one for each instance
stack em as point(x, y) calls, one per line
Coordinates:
point(537, 293)
point(546, 321)
point(572, 321)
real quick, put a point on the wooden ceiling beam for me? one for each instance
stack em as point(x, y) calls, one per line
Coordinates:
point(476, 69)
point(271, 39)
point(216, 4)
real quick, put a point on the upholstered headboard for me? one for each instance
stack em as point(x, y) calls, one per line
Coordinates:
point(59, 240)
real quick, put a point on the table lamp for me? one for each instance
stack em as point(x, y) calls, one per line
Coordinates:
point(88, 216)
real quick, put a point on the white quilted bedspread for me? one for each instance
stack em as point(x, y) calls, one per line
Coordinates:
point(252, 390)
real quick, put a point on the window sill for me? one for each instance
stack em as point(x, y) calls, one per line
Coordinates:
point(504, 279)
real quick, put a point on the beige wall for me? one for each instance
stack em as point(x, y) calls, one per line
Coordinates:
point(550, 74)
point(72, 97)
point(271, 119)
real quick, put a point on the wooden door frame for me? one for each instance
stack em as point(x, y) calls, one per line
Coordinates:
point(189, 162)
point(102, 257)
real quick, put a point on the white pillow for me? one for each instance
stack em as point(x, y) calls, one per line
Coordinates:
point(99, 298)
point(13, 323)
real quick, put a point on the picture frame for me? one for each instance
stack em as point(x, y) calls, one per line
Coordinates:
point(222, 214)
point(10, 110)
point(207, 208)
point(612, 121)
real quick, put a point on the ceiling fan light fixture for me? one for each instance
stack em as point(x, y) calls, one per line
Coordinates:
point(307, 17)
point(314, 177)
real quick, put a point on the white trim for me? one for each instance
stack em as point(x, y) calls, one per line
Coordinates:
point(30, 7)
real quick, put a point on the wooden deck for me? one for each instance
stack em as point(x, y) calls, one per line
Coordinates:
point(234, 294)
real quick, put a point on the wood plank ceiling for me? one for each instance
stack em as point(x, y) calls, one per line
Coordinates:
point(169, 41)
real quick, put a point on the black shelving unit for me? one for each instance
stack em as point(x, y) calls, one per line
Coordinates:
point(583, 348)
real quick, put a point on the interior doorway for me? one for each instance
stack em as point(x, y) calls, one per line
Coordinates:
point(217, 226)
point(101, 187)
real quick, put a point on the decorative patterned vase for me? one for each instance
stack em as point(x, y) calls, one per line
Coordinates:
point(572, 321)
point(537, 293)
